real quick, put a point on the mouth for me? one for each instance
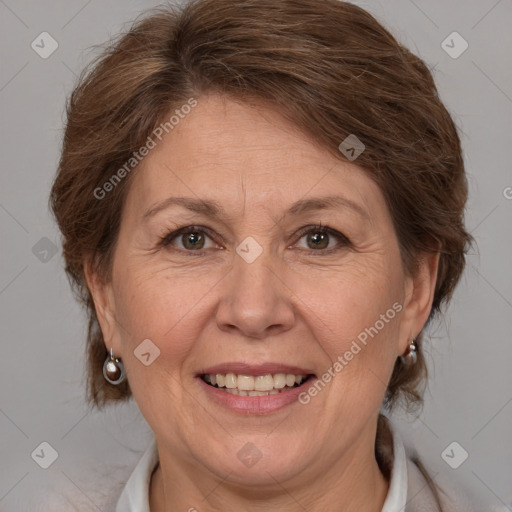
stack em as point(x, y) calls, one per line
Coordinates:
point(254, 389)
point(256, 385)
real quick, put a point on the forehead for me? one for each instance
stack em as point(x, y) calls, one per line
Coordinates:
point(237, 153)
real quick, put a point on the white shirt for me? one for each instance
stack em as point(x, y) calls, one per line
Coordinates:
point(135, 495)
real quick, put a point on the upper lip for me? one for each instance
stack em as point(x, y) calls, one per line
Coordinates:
point(255, 369)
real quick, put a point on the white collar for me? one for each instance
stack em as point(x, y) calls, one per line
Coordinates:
point(135, 495)
point(397, 493)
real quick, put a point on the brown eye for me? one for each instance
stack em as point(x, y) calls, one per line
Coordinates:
point(317, 240)
point(188, 239)
point(193, 240)
point(323, 240)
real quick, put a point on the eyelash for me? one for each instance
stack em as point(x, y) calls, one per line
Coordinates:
point(316, 228)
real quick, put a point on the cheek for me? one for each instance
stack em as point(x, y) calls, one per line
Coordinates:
point(346, 302)
point(356, 325)
point(161, 306)
point(355, 316)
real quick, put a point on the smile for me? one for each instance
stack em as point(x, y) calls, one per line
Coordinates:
point(249, 385)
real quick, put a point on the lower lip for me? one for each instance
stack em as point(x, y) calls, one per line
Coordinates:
point(254, 404)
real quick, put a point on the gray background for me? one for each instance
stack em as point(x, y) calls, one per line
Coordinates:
point(42, 330)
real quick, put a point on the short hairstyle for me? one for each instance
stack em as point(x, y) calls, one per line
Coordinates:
point(326, 65)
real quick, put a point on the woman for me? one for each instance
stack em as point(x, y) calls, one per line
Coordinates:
point(262, 208)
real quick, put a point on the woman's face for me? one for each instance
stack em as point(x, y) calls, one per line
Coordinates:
point(251, 287)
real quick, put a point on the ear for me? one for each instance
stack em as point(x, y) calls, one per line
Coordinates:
point(419, 295)
point(104, 304)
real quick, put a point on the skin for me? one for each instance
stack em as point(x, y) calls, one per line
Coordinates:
point(292, 305)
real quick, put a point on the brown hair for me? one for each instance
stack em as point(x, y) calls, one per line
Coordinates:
point(326, 65)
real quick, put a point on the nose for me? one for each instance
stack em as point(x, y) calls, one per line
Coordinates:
point(255, 301)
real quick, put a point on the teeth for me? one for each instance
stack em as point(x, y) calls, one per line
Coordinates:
point(257, 393)
point(240, 392)
point(245, 382)
point(231, 381)
point(290, 380)
point(264, 383)
point(279, 380)
point(248, 385)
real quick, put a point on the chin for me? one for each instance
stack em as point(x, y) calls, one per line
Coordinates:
point(258, 461)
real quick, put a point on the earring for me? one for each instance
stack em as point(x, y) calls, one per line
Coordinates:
point(411, 356)
point(113, 369)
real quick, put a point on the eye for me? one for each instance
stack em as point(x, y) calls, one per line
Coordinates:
point(189, 239)
point(323, 239)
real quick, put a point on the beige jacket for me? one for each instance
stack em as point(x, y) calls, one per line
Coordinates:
point(101, 488)
point(421, 497)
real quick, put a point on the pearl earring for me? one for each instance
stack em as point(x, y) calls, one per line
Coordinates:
point(411, 356)
point(113, 369)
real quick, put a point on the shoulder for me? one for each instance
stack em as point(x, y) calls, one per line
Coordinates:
point(412, 487)
point(425, 495)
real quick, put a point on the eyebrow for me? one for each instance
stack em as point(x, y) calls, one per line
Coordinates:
point(214, 209)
